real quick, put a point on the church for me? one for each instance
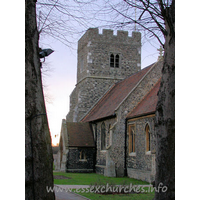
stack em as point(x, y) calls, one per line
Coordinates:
point(110, 126)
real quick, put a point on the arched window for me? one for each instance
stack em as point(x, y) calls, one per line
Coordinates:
point(132, 139)
point(112, 60)
point(95, 132)
point(108, 140)
point(103, 136)
point(117, 61)
point(148, 138)
point(82, 155)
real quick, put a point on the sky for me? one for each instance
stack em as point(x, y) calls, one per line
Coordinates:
point(60, 79)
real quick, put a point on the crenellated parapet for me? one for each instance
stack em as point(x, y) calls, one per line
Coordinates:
point(108, 36)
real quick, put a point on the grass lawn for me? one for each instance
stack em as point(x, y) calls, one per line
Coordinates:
point(93, 179)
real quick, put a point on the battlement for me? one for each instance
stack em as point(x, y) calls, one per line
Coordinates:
point(107, 35)
point(120, 34)
point(110, 32)
point(98, 54)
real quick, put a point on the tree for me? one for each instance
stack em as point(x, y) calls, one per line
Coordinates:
point(38, 151)
point(165, 111)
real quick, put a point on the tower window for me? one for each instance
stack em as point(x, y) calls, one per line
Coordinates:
point(117, 61)
point(114, 60)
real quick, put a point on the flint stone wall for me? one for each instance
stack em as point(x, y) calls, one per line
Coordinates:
point(76, 164)
point(142, 164)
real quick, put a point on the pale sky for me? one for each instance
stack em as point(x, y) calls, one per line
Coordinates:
point(61, 79)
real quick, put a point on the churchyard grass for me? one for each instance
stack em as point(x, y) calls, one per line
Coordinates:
point(92, 178)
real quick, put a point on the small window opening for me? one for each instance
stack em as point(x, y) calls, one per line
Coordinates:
point(117, 61)
point(82, 155)
point(132, 139)
point(148, 138)
point(103, 136)
point(112, 60)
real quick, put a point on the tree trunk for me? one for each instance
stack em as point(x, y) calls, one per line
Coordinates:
point(165, 117)
point(38, 150)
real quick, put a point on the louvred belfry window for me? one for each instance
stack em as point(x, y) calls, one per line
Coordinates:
point(117, 61)
point(114, 60)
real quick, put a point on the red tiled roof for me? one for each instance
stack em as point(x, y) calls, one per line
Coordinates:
point(80, 134)
point(112, 99)
point(148, 104)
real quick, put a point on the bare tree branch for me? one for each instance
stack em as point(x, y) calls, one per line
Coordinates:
point(142, 24)
point(47, 16)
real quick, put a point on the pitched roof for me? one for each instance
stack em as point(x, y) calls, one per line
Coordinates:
point(80, 134)
point(114, 97)
point(148, 104)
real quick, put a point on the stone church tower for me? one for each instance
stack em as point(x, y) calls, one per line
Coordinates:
point(103, 59)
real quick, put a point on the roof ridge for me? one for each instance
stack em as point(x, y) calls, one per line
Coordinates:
point(145, 95)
